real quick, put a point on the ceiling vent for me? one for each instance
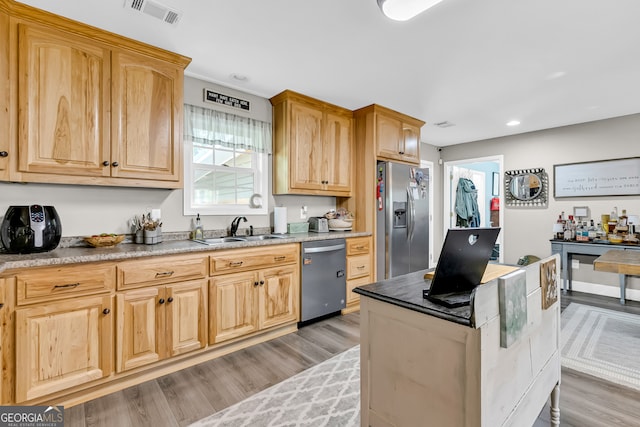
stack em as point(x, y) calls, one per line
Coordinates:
point(444, 124)
point(155, 9)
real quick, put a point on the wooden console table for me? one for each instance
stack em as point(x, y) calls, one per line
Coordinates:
point(623, 262)
point(566, 250)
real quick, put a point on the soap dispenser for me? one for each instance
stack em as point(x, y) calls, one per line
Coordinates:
point(198, 232)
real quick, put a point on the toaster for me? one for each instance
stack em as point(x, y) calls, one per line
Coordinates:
point(319, 224)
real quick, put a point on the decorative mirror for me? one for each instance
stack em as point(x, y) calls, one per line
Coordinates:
point(526, 187)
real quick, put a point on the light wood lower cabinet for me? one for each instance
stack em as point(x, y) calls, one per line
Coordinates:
point(157, 322)
point(359, 268)
point(242, 303)
point(232, 304)
point(62, 345)
point(70, 333)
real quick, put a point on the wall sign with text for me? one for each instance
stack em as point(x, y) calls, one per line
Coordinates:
point(615, 177)
point(229, 101)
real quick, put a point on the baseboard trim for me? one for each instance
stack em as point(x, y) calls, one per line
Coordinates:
point(604, 290)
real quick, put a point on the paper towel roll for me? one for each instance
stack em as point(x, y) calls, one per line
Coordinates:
point(280, 220)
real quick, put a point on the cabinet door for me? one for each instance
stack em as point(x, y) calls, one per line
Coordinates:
point(278, 296)
point(62, 103)
point(306, 147)
point(186, 317)
point(389, 136)
point(140, 326)
point(5, 98)
point(337, 153)
point(62, 345)
point(410, 143)
point(146, 118)
point(232, 304)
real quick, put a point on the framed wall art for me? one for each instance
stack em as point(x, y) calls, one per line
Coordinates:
point(548, 283)
point(615, 177)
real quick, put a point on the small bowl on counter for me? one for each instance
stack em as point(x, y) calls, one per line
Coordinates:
point(104, 240)
point(614, 238)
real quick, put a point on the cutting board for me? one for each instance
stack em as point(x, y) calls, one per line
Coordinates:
point(493, 271)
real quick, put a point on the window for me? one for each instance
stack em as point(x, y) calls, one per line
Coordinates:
point(225, 163)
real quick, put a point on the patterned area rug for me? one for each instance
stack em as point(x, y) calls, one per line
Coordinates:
point(327, 394)
point(602, 343)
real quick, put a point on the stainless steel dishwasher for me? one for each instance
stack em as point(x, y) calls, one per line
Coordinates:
point(323, 278)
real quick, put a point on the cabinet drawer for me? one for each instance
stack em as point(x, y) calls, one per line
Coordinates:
point(358, 245)
point(358, 266)
point(249, 259)
point(156, 270)
point(352, 297)
point(53, 283)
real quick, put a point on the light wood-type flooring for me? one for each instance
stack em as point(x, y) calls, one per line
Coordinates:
point(194, 393)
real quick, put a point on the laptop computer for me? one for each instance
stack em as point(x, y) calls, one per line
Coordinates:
point(462, 262)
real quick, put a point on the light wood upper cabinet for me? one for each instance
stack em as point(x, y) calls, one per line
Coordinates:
point(395, 136)
point(63, 103)
point(62, 345)
point(313, 145)
point(397, 140)
point(147, 103)
point(92, 107)
point(5, 100)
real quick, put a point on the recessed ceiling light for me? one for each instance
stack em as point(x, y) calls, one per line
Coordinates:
point(403, 10)
point(513, 123)
point(556, 75)
point(239, 77)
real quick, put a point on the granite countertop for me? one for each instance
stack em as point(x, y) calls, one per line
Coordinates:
point(406, 291)
point(71, 255)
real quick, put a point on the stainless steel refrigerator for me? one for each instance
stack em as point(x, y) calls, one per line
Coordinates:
point(402, 225)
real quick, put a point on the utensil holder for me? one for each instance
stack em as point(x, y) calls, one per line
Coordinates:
point(139, 237)
point(152, 237)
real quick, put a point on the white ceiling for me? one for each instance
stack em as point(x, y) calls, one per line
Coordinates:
point(474, 63)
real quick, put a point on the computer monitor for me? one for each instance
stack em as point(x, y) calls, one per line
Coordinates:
point(462, 262)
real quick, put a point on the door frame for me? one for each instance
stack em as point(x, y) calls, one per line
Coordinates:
point(447, 196)
point(425, 164)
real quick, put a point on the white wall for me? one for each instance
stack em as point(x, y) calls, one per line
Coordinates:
point(528, 230)
point(87, 210)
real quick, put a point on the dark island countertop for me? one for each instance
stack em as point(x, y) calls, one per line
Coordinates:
point(406, 291)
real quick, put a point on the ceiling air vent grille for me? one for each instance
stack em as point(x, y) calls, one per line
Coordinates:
point(444, 124)
point(155, 9)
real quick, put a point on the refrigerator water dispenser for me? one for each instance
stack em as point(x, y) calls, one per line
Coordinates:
point(399, 214)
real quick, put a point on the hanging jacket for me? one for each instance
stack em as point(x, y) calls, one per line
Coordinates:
point(467, 214)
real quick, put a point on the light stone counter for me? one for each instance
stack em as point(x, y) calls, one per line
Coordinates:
point(71, 255)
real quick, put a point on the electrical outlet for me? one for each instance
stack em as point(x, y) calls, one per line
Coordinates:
point(303, 212)
point(575, 264)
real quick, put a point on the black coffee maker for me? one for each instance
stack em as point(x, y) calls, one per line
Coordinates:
point(29, 229)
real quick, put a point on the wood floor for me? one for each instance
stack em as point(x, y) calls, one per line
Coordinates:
point(189, 395)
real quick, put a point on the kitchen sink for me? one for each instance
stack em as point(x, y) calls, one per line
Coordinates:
point(264, 237)
point(219, 240)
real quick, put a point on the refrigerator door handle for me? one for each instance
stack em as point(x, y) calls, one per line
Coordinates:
point(412, 213)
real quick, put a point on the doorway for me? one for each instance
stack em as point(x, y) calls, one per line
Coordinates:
point(486, 175)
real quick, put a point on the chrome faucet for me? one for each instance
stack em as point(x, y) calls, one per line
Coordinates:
point(235, 223)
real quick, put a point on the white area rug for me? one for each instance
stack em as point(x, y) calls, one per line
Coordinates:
point(327, 394)
point(602, 343)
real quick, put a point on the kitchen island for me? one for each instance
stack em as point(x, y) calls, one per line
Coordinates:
point(426, 364)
